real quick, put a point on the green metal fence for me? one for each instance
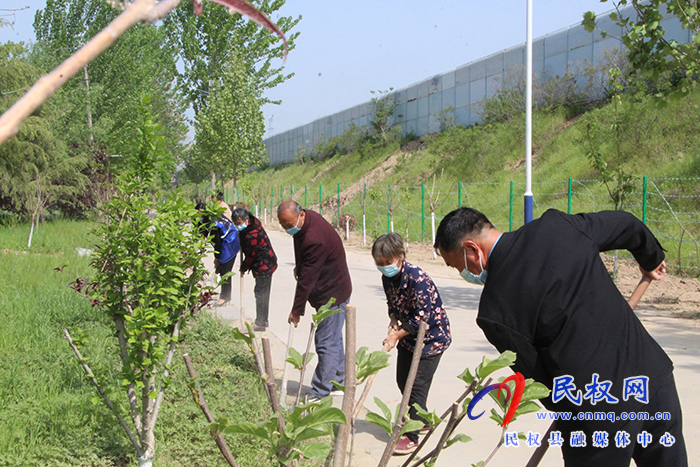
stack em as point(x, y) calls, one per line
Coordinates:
point(669, 206)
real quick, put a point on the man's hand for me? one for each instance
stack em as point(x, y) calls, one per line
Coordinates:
point(657, 274)
point(294, 319)
point(216, 262)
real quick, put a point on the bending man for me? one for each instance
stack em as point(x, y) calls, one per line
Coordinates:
point(550, 299)
point(322, 273)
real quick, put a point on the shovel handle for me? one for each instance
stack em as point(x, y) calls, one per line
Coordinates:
point(639, 291)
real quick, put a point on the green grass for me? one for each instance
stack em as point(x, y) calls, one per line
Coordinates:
point(46, 414)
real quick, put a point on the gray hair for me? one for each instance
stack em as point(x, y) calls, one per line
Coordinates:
point(289, 205)
point(388, 246)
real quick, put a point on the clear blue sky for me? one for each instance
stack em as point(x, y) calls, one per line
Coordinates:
point(347, 49)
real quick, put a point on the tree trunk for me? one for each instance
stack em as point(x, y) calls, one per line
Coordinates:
point(87, 99)
point(213, 181)
point(31, 232)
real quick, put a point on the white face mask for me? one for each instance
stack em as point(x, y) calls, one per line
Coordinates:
point(473, 278)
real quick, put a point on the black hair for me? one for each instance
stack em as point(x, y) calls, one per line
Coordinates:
point(220, 195)
point(458, 224)
point(388, 246)
point(240, 214)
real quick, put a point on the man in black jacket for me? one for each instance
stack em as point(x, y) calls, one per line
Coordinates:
point(550, 299)
point(322, 273)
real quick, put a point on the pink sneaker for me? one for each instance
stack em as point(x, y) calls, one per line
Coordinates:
point(404, 446)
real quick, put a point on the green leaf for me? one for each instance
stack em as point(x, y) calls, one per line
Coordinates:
point(459, 438)
point(478, 464)
point(338, 385)
point(527, 407)
point(238, 335)
point(412, 425)
point(153, 395)
point(380, 421)
point(322, 416)
point(522, 435)
point(534, 390)
point(430, 417)
point(248, 428)
point(295, 358)
point(315, 451)
point(325, 311)
point(383, 407)
point(486, 367)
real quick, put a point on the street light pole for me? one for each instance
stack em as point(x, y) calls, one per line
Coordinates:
point(528, 117)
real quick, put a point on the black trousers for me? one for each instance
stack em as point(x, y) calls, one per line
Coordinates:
point(262, 299)
point(654, 455)
point(421, 386)
point(222, 269)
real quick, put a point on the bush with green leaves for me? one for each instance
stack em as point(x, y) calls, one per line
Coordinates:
point(292, 440)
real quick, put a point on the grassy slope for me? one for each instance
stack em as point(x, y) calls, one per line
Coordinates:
point(660, 143)
point(46, 414)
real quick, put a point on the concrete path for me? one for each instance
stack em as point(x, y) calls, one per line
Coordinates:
point(678, 337)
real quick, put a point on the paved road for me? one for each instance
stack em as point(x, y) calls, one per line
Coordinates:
point(678, 337)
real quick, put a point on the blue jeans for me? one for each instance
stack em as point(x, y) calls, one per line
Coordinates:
point(331, 353)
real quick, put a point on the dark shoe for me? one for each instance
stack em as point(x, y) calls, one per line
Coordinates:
point(404, 447)
point(258, 328)
point(221, 303)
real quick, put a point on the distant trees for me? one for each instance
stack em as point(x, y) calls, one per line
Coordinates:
point(230, 127)
point(37, 172)
point(102, 107)
point(229, 63)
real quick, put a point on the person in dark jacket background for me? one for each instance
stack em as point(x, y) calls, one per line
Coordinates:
point(260, 259)
point(226, 247)
point(548, 296)
point(322, 273)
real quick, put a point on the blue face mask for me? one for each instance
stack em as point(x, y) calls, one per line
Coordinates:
point(390, 270)
point(473, 278)
point(241, 227)
point(295, 229)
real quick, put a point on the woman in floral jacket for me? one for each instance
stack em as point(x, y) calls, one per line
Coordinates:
point(412, 297)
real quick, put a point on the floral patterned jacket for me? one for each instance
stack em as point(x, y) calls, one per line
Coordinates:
point(416, 299)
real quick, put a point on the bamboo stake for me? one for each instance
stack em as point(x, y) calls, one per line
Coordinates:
point(198, 397)
point(341, 444)
point(270, 380)
point(417, 351)
point(285, 372)
point(305, 362)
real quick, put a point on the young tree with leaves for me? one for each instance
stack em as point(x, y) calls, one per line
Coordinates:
point(651, 52)
point(229, 130)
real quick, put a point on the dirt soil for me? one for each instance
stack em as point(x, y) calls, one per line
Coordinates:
point(673, 297)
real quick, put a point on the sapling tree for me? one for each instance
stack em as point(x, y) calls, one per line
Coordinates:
point(149, 281)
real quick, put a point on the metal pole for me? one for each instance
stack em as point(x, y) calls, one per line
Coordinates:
point(528, 117)
point(511, 206)
point(291, 187)
point(281, 190)
point(388, 212)
point(422, 212)
point(364, 225)
point(644, 202)
point(459, 194)
point(338, 221)
point(568, 210)
point(320, 199)
point(306, 192)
